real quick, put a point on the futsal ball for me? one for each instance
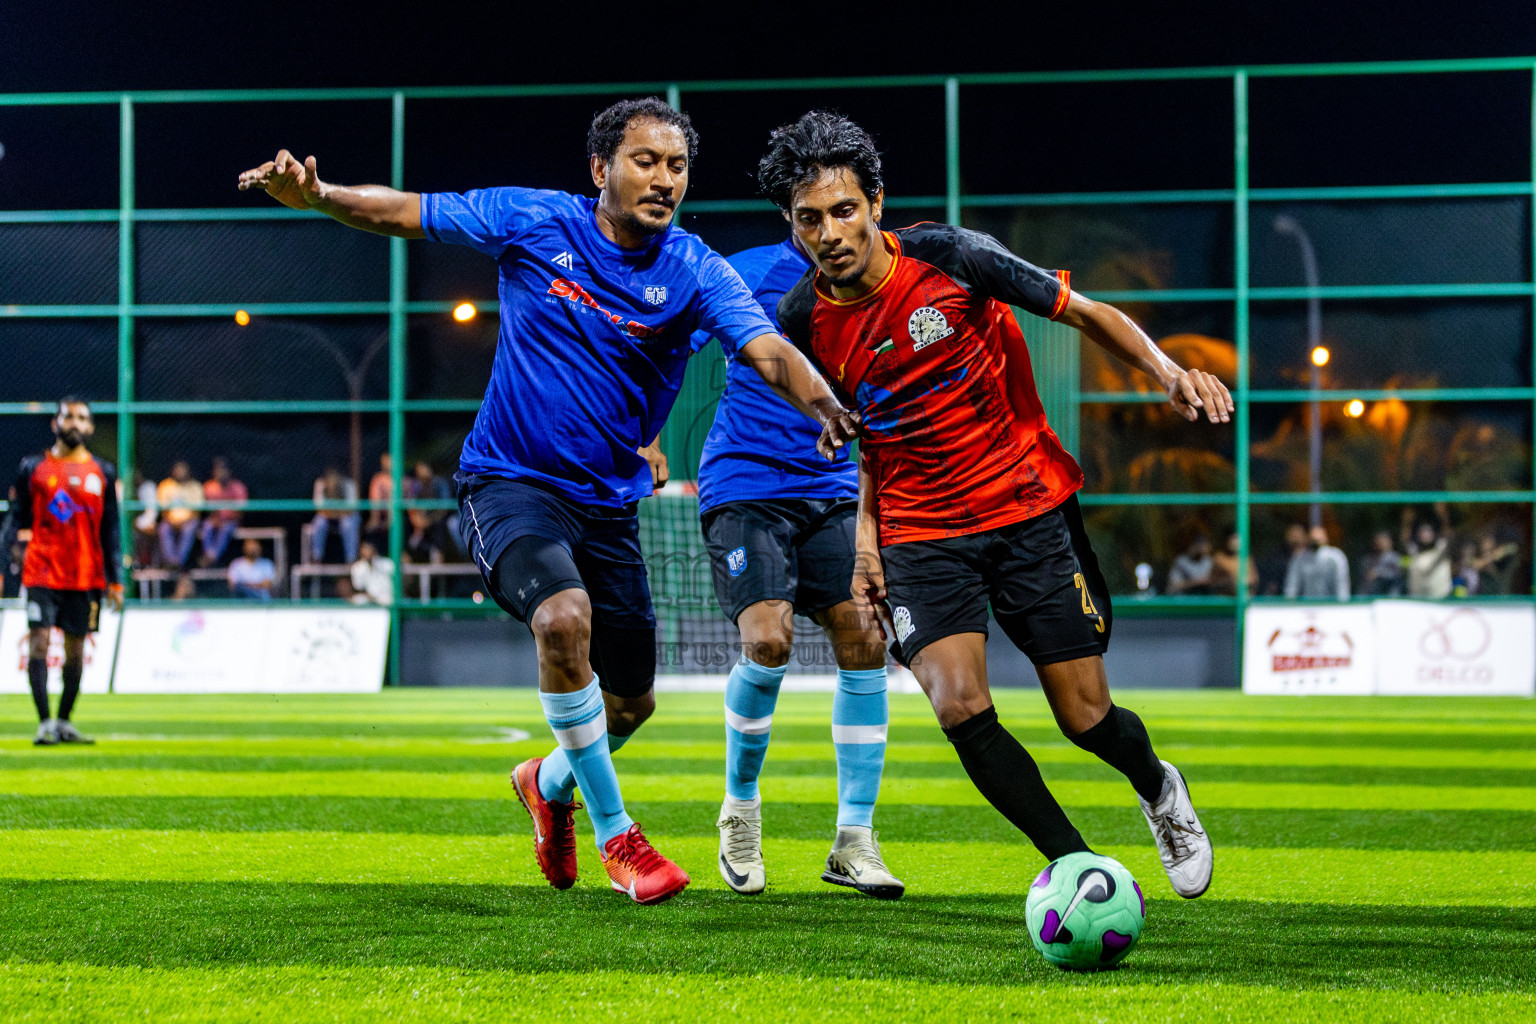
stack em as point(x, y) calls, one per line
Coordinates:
point(1085, 912)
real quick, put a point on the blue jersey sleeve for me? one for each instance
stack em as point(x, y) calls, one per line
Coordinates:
point(727, 309)
point(487, 219)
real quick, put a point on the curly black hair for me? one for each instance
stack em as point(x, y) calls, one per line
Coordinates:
point(608, 126)
point(69, 400)
point(821, 140)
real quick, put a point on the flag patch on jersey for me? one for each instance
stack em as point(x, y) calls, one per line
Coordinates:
point(884, 347)
point(736, 561)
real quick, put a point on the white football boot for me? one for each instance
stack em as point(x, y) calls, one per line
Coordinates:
point(1182, 844)
point(47, 733)
point(855, 861)
point(741, 845)
point(69, 734)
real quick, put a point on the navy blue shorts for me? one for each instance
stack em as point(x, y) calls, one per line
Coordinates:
point(798, 550)
point(594, 547)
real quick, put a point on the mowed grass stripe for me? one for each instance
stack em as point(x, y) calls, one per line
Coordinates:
point(437, 993)
point(638, 785)
point(1252, 827)
point(1504, 878)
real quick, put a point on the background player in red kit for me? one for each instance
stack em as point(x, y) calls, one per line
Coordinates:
point(68, 499)
point(966, 497)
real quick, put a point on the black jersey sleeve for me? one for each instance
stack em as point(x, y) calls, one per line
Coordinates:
point(21, 493)
point(982, 265)
point(111, 535)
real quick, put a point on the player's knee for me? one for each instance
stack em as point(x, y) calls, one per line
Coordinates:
point(563, 624)
point(1080, 712)
point(37, 643)
point(860, 655)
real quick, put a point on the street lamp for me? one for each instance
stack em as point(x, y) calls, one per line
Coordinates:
point(1288, 226)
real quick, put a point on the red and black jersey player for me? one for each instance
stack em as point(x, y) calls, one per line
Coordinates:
point(966, 497)
point(67, 498)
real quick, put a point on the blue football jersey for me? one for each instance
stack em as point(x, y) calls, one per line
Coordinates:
point(594, 337)
point(760, 446)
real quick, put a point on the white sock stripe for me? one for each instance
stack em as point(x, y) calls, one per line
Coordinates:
point(748, 726)
point(583, 735)
point(858, 733)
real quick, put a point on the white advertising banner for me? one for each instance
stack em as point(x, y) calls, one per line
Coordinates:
point(1294, 649)
point(15, 648)
point(257, 650)
point(1447, 649)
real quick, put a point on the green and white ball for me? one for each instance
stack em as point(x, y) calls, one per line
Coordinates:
point(1085, 912)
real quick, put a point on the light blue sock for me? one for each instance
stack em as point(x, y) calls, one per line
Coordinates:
point(860, 717)
point(580, 724)
point(556, 780)
point(750, 695)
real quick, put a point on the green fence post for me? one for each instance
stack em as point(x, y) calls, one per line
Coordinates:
point(1240, 399)
point(952, 149)
point(126, 456)
point(397, 327)
point(1533, 303)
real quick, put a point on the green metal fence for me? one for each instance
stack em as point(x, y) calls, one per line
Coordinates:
point(1059, 360)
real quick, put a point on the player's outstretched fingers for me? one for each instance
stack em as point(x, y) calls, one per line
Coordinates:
point(1186, 398)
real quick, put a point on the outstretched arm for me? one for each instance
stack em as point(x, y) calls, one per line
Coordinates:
point(791, 375)
point(1190, 391)
point(376, 208)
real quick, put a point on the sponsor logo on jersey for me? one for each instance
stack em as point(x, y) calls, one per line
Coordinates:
point(93, 484)
point(901, 618)
point(927, 325)
point(565, 260)
point(564, 289)
point(63, 507)
point(656, 295)
point(736, 561)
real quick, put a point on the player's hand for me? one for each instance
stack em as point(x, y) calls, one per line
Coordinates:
point(1193, 390)
point(836, 431)
point(869, 591)
point(115, 598)
point(291, 183)
point(658, 460)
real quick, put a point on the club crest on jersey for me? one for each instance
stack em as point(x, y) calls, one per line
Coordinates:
point(901, 618)
point(93, 484)
point(927, 325)
point(736, 561)
point(656, 295)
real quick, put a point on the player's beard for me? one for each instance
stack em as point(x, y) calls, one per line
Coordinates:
point(632, 222)
point(71, 438)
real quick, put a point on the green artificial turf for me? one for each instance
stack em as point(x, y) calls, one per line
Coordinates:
point(363, 858)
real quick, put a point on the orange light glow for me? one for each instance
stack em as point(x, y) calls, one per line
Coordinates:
point(1320, 356)
point(242, 317)
point(464, 312)
point(1354, 408)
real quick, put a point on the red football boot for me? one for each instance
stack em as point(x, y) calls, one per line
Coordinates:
point(634, 867)
point(554, 830)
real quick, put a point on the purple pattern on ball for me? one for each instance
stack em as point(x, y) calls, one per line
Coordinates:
point(1115, 943)
point(1139, 896)
point(1051, 927)
point(1043, 879)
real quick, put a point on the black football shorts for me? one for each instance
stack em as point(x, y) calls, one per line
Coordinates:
point(787, 549)
point(73, 612)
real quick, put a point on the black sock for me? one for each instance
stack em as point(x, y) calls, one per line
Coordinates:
point(1010, 780)
point(1120, 741)
point(37, 676)
point(72, 672)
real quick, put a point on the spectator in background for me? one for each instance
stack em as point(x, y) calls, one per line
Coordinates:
point(332, 489)
point(13, 553)
point(373, 576)
point(380, 489)
point(186, 587)
point(179, 498)
point(1191, 570)
point(251, 576)
point(1319, 571)
point(1383, 568)
point(1429, 554)
point(145, 524)
point(1495, 565)
point(429, 537)
point(1224, 568)
point(220, 524)
point(1464, 576)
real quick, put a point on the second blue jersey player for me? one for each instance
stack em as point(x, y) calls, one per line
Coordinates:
point(599, 300)
point(779, 523)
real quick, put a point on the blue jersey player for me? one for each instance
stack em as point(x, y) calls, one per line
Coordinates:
point(779, 522)
point(599, 300)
